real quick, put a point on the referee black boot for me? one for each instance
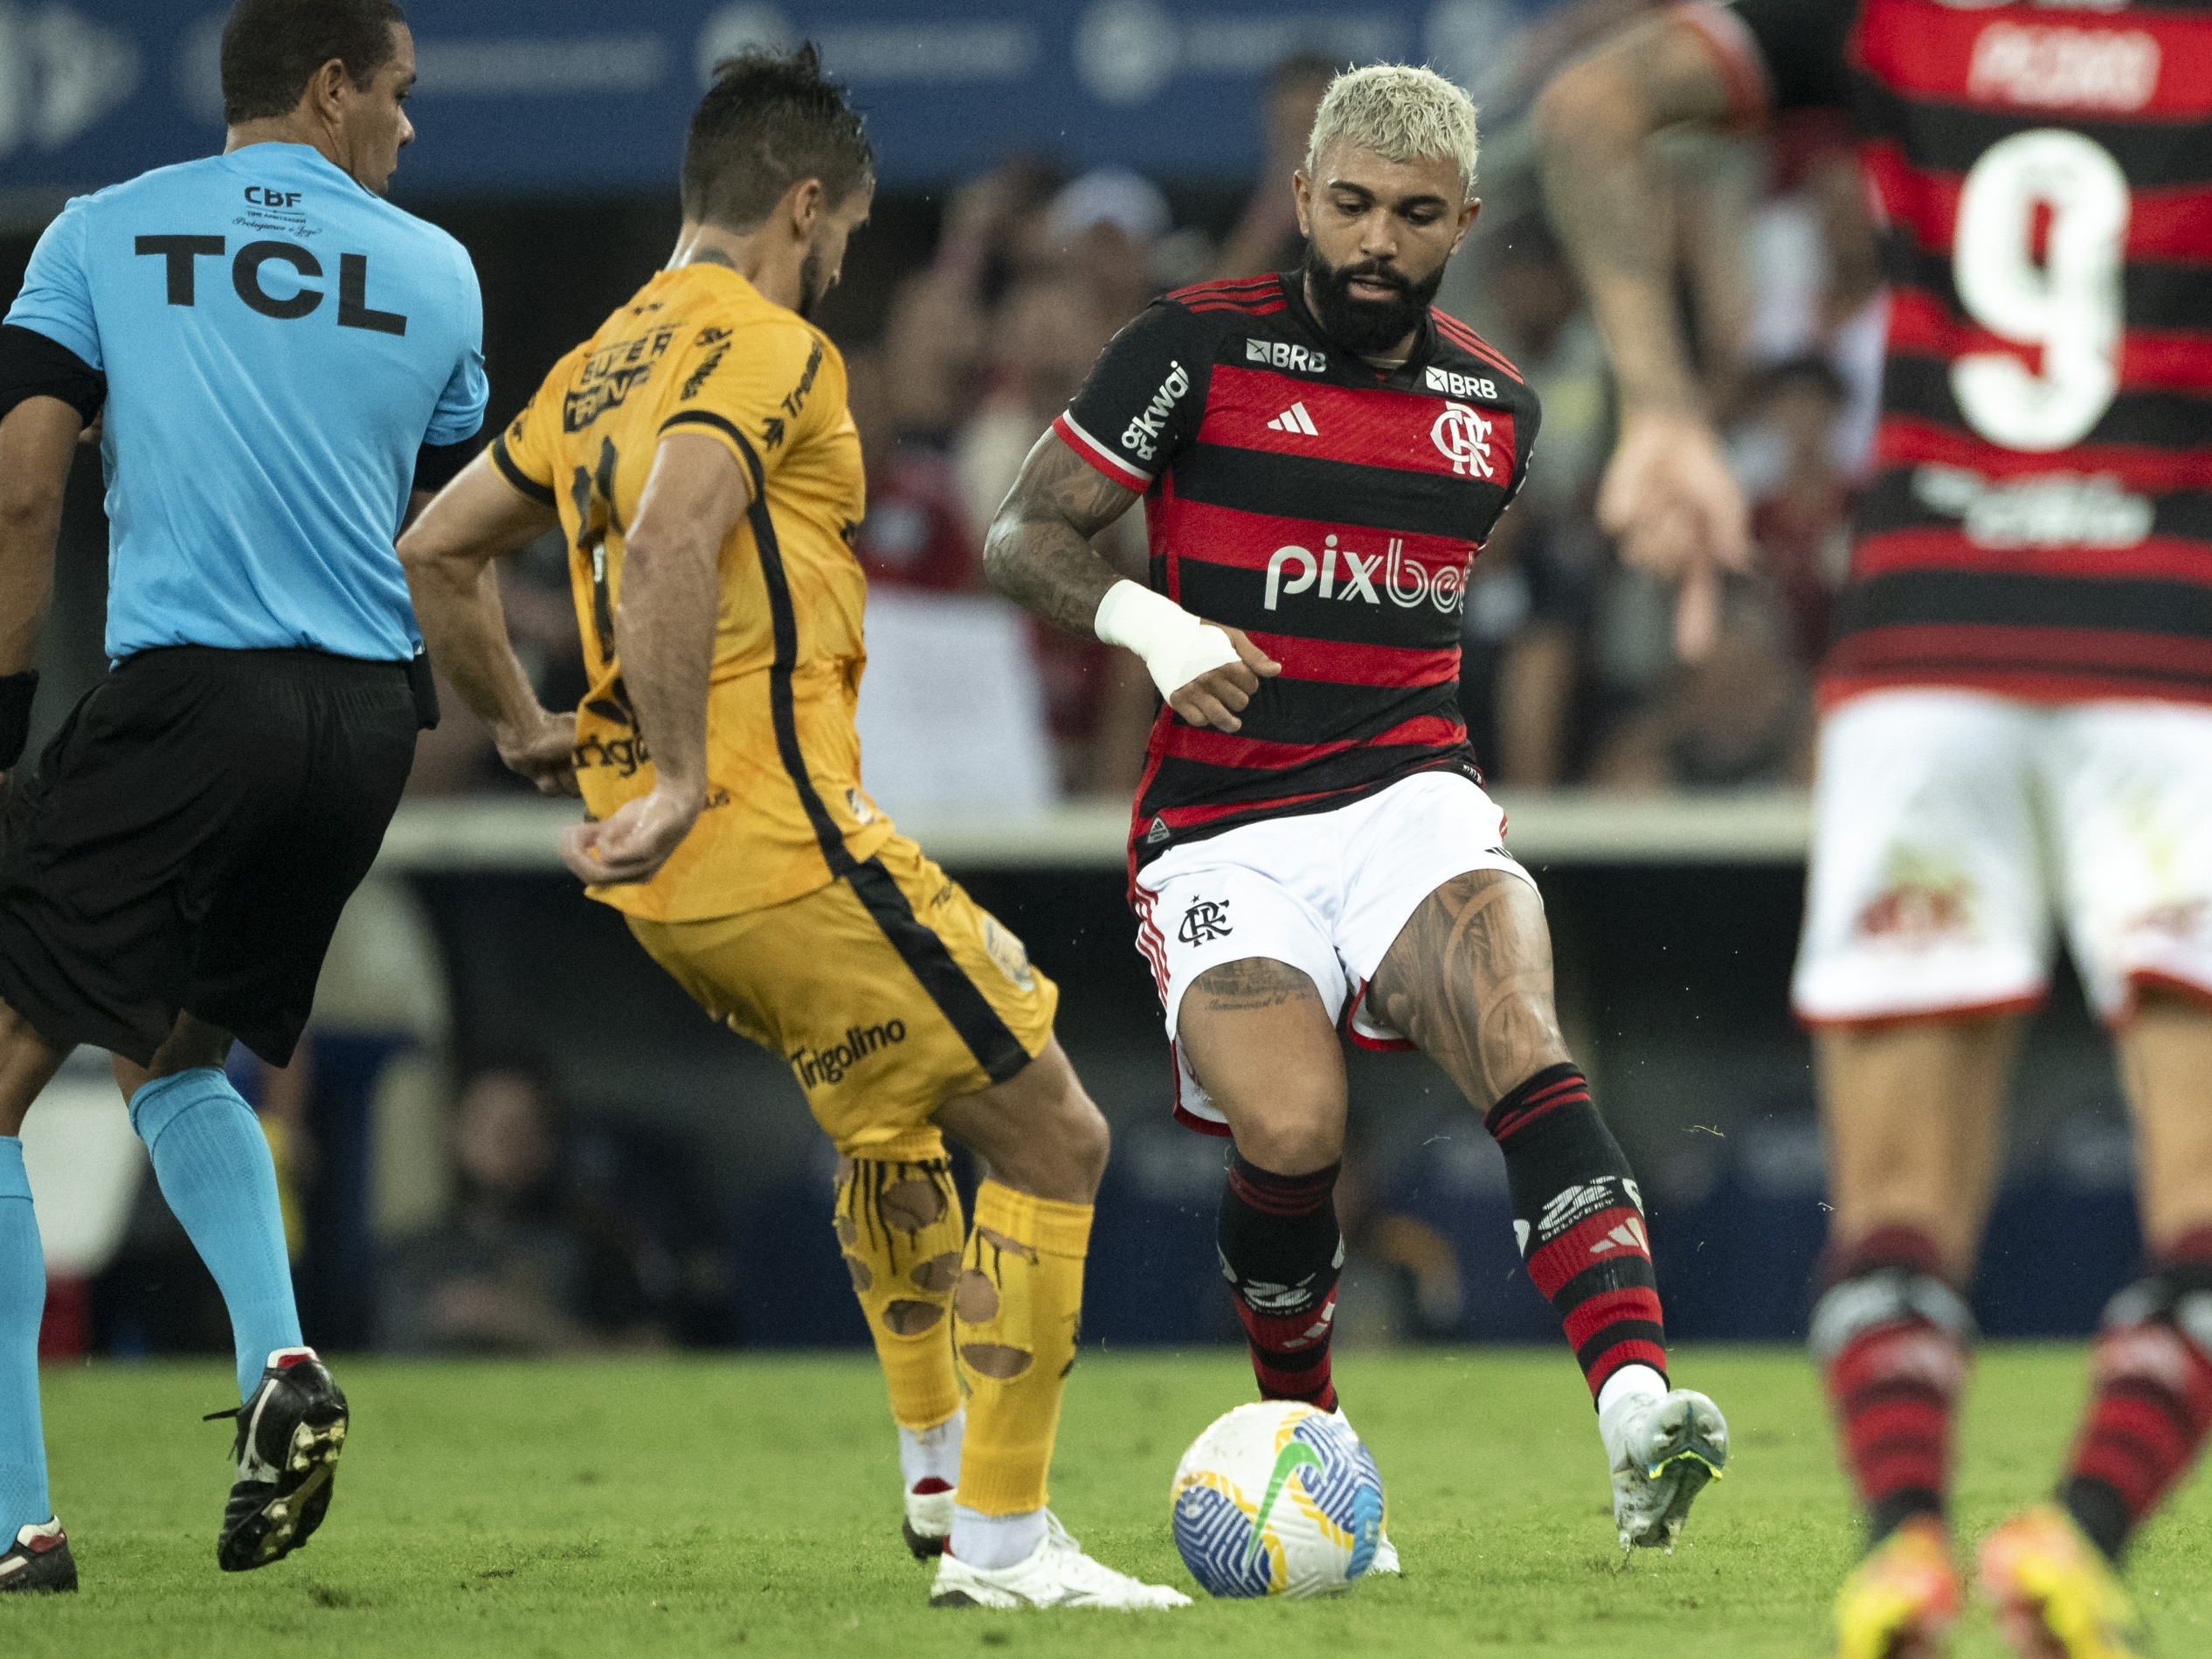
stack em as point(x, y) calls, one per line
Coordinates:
point(39, 1561)
point(290, 1433)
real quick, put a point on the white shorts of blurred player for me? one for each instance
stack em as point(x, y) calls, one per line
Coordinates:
point(1953, 830)
point(1328, 892)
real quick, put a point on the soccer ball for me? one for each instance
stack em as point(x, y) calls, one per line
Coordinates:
point(1276, 1498)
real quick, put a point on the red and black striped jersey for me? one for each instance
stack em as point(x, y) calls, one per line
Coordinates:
point(1330, 509)
point(2040, 523)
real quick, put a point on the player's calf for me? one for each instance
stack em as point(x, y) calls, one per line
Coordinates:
point(2154, 1398)
point(899, 1227)
point(1281, 1251)
point(1891, 1339)
point(1578, 1218)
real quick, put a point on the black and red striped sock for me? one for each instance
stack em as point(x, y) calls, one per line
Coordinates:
point(1280, 1252)
point(1579, 1219)
point(2154, 1398)
point(1891, 1337)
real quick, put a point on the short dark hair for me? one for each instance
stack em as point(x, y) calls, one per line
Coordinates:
point(771, 120)
point(271, 49)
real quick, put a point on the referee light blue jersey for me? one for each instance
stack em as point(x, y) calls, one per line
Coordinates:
point(279, 343)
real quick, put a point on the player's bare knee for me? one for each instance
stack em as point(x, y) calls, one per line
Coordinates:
point(1088, 1140)
point(1289, 1143)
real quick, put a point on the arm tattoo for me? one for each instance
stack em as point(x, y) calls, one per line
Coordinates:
point(1038, 552)
point(1610, 203)
point(1469, 981)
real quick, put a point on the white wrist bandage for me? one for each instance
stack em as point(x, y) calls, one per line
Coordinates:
point(1177, 647)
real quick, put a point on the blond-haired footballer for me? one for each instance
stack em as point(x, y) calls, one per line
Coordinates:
point(699, 456)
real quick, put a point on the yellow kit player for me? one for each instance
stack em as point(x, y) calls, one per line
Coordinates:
point(699, 456)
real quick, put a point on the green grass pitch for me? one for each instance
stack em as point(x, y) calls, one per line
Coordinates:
point(748, 1505)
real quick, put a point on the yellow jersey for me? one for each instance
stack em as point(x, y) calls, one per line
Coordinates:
point(699, 351)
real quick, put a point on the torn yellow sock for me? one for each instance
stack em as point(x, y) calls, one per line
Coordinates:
point(1015, 1319)
point(899, 1225)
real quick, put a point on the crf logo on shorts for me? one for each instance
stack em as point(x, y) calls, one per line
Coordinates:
point(1204, 921)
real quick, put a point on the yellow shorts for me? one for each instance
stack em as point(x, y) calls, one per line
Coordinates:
point(890, 992)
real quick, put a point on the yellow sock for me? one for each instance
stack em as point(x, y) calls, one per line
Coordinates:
point(1015, 1318)
point(899, 1224)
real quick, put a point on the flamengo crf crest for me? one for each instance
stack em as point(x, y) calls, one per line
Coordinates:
point(1463, 438)
point(1205, 920)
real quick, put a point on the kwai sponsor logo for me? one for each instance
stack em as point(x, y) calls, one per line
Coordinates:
point(1342, 574)
point(1141, 436)
point(829, 1065)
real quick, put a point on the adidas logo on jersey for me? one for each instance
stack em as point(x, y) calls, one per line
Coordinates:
point(1294, 420)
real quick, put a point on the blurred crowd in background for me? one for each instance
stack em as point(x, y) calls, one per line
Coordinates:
point(969, 320)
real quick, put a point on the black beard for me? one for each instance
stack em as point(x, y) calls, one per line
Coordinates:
point(1365, 328)
point(810, 282)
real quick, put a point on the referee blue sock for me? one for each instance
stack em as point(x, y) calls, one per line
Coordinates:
point(215, 1170)
point(22, 1301)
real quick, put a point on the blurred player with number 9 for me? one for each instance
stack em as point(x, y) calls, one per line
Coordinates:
point(2015, 729)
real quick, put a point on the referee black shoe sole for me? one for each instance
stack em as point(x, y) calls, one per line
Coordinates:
point(289, 1435)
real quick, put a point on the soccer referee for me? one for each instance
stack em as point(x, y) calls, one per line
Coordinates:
point(282, 358)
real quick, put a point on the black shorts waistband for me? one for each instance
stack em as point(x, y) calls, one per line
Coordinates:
point(301, 662)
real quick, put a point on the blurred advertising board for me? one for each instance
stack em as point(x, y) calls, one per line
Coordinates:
point(535, 96)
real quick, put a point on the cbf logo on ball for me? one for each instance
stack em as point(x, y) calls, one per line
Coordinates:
point(1276, 1498)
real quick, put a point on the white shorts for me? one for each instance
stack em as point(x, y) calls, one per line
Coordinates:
point(1952, 828)
point(1328, 892)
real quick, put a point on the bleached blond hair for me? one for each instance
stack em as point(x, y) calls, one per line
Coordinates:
point(1403, 113)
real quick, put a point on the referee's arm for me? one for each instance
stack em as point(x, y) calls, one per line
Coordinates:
point(447, 552)
point(38, 443)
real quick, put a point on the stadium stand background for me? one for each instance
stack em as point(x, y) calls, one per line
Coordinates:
point(1046, 168)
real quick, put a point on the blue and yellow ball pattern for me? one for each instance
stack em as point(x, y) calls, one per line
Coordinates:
point(1276, 1498)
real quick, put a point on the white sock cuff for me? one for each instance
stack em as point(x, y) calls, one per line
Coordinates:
point(932, 1454)
point(992, 1542)
point(1631, 1382)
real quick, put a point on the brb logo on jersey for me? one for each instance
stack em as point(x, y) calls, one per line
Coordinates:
point(1344, 574)
point(1462, 437)
point(1453, 384)
point(1283, 354)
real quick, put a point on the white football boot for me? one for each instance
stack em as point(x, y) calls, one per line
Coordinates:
point(1663, 1449)
point(1055, 1575)
point(1386, 1553)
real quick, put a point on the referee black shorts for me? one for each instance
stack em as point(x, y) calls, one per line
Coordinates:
point(188, 839)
